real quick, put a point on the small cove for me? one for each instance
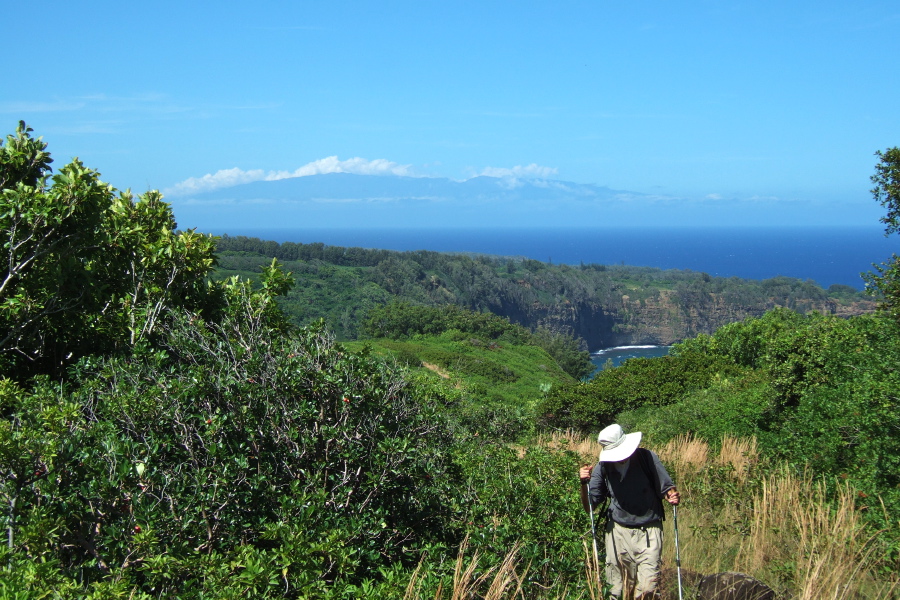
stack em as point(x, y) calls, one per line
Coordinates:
point(620, 354)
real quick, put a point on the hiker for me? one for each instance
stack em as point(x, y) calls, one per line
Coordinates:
point(635, 482)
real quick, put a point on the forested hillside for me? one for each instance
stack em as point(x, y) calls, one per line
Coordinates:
point(605, 305)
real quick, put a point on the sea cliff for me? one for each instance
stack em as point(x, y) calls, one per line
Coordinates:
point(663, 319)
point(605, 305)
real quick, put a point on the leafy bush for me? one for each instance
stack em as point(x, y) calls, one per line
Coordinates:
point(89, 270)
point(238, 460)
point(636, 383)
point(532, 500)
point(729, 406)
point(235, 443)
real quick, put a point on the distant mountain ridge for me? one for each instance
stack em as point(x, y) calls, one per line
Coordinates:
point(356, 201)
point(337, 186)
point(344, 199)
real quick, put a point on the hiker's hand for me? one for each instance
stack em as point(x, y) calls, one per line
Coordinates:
point(585, 472)
point(673, 496)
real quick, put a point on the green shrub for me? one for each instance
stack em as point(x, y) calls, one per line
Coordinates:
point(636, 383)
point(532, 500)
point(235, 454)
point(401, 320)
point(737, 407)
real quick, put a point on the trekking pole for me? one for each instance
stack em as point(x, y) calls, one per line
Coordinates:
point(677, 554)
point(594, 539)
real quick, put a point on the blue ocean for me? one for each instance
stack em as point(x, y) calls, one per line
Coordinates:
point(832, 255)
point(616, 356)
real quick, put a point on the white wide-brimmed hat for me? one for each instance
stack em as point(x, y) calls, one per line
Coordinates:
point(616, 445)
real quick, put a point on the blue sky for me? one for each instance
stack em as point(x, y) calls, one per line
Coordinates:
point(784, 101)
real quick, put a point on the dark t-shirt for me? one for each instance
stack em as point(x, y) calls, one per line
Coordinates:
point(634, 500)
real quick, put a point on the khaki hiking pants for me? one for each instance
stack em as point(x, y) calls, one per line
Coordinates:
point(633, 559)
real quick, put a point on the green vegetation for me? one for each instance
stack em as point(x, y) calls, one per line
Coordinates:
point(887, 192)
point(602, 305)
point(167, 430)
point(499, 370)
point(88, 269)
point(400, 321)
point(818, 392)
point(650, 383)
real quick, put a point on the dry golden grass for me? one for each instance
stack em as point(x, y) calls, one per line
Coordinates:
point(592, 573)
point(572, 441)
point(783, 528)
point(741, 454)
point(793, 522)
point(503, 581)
point(685, 454)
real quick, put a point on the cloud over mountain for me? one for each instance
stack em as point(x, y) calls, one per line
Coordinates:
point(531, 171)
point(225, 178)
point(324, 194)
point(359, 193)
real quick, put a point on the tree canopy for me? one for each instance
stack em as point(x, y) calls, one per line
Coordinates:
point(88, 269)
point(887, 187)
point(886, 280)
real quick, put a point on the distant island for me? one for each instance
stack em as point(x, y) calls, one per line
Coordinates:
point(355, 200)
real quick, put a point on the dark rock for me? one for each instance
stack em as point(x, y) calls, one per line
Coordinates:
point(733, 586)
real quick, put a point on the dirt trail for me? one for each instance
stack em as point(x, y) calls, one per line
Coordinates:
point(436, 369)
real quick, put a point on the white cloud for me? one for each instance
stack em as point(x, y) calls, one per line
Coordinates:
point(358, 166)
point(214, 181)
point(723, 198)
point(231, 177)
point(332, 164)
point(531, 171)
point(101, 103)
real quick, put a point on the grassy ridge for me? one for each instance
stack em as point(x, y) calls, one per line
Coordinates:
point(496, 385)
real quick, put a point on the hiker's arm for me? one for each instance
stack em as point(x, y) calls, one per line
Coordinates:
point(667, 487)
point(584, 498)
point(587, 478)
point(585, 474)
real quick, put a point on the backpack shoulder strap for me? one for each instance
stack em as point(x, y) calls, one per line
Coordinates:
point(645, 459)
point(604, 473)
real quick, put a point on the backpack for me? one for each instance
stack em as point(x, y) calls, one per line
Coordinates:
point(645, 460)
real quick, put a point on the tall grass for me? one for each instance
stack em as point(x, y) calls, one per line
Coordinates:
point(505, 581)
point(497, 582)
point(784, 527)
